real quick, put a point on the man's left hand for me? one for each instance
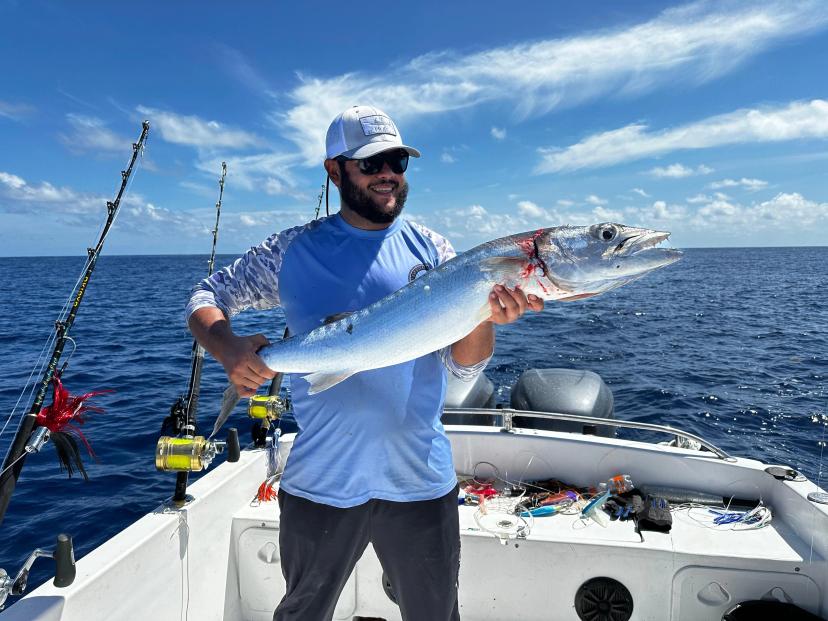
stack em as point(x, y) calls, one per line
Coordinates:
point(508, 305)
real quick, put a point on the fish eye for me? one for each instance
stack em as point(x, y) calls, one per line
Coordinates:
point(605, 232)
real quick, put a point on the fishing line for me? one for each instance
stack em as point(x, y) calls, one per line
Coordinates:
point(29, 387)
point(819, 486)
point(35, 368)
point(11, 465)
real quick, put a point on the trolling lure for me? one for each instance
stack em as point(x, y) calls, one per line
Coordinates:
point(24, 442)
point(63, 419)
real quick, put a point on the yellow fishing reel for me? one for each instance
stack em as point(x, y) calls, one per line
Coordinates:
point(266, 407)
point(194, 453)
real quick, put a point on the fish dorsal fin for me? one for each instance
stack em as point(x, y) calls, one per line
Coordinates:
point(336, 317)
point(322, 380)
point(503, 264)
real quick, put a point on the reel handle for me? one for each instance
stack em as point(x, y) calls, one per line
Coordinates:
point(64, 561)
point(233, 446)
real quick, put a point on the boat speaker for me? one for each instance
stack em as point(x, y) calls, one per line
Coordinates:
point(389, 590)
point(603, 599)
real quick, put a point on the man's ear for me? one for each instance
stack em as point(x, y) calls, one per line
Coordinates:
point(332, 168)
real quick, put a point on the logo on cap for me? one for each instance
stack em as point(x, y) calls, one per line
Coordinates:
point(377, 124)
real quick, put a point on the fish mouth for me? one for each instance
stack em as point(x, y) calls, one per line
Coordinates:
point(633, 244)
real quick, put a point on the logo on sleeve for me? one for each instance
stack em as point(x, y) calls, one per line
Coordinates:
point(417, 270)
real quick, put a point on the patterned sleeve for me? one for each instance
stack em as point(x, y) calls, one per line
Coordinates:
point(445, 251)
point(252, 281)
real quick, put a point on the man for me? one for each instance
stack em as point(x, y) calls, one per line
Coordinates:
point(371, 462)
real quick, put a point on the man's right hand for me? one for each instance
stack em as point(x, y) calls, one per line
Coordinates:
point(245, 369)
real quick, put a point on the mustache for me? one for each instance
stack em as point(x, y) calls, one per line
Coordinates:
point(391, 183)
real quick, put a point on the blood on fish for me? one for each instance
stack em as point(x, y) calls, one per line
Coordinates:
point(531, 250)
point(528, 244)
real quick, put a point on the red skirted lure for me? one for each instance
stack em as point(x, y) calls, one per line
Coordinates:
point(62, 418)
point(267, 490)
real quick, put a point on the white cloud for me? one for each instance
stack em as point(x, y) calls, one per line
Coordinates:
point(447, 158)
point(602, 214)
point(529, 209)
point(595, 200)
point(468, 226)
point(678, 171)
point(641, 192)
point(693, 44)
point(12, 181)
point(197, 132)
point(15, 111)
point(797, 120)
point(92, 134)
point(563, 202)
point(22, 197)
point(498, 134)
point(699, 198)
point(785, 213)
point(788, 217)
point(262, 172)
point(748, 184)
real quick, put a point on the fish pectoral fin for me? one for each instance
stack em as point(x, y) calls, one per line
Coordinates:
point(322, 380)
point(503, 264)
point(483, 313)
point(228, 401)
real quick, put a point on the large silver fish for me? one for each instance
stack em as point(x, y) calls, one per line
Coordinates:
point(447, 303)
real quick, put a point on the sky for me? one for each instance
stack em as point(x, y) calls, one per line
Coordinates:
point(705, 119)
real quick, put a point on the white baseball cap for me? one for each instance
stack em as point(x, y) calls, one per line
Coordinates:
point(363, 131)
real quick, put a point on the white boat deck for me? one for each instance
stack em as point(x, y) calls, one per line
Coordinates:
point(218, 560)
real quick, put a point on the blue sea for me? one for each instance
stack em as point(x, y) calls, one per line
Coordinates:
point(729, 344)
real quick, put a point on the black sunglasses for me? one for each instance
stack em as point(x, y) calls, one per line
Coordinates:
point(397, 160)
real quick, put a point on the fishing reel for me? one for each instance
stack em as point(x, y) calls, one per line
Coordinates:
point(266, 407)
point(194, 453)
point(64, 555)
point(265, 410)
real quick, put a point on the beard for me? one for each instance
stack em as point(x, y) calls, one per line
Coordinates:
point(364, 204)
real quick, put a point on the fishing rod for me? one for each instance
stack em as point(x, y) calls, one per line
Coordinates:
point(319, 203)
point(183, 451)
point(32, 434)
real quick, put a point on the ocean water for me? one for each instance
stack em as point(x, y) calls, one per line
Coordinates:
point(729, 344)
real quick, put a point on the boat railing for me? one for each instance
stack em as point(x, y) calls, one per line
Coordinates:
point(507, 423)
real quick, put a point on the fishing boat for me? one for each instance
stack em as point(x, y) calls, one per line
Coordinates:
point(565, 513)
point(216, 556)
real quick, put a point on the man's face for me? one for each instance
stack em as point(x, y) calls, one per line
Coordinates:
point(379, 198)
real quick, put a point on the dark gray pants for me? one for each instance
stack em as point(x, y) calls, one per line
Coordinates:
point(418, 545)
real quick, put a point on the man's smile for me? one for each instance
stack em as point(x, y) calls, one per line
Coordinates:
point(383, 188)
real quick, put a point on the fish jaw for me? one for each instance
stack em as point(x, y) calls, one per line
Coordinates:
point(582, 262)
